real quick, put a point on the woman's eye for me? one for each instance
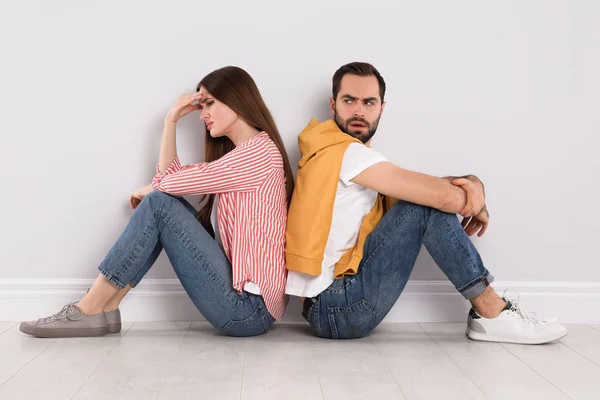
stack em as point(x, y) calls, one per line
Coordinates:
point(209, 103)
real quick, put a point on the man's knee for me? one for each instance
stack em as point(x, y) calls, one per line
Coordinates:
point(408, 211)
point(407, 208)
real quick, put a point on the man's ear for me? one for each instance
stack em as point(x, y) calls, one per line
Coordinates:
point(332, 105)
point(382, 108)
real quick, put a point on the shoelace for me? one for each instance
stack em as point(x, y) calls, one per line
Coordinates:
point(62, 313)
point(522, 311)
point(528, 315)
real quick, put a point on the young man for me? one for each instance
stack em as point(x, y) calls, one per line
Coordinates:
point(350, 249)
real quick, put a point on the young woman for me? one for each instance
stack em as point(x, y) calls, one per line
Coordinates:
point(229, 256)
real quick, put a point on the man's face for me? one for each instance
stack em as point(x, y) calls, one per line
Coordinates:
point(358, 107)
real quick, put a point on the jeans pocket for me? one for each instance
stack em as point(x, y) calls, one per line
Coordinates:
point(352, 322)
point(253, 325)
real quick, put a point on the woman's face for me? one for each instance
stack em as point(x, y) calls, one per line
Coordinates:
point(217, 116)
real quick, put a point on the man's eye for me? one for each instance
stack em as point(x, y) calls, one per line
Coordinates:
point(348, 101)
point(369, 103)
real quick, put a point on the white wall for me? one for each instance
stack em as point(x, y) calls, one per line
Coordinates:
point(506, 90)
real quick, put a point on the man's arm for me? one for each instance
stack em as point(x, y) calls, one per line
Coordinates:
point(472, 178)
point(475, 190)
point(391, 180)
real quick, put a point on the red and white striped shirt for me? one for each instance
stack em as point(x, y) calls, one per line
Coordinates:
point(251, 211)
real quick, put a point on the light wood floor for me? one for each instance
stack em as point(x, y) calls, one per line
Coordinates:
point(170, 360)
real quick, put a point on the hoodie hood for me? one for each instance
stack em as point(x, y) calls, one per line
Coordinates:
point(317, 136)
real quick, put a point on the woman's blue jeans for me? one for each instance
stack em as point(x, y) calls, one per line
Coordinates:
point(164, 221)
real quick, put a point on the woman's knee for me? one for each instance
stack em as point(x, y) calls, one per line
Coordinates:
point(157, 200)
point(157, 195)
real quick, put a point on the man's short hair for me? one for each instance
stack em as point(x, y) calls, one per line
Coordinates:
point(360, 69)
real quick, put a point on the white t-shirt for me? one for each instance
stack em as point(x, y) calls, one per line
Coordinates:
point(352, 203)
point(249, 286)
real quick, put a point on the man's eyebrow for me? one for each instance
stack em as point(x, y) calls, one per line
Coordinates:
point(371, 99)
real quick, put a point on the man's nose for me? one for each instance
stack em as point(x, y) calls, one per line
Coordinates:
point(359, 111)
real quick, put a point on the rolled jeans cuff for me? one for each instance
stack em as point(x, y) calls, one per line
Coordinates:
point(477, 286)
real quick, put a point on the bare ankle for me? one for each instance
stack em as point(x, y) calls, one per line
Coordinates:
point(488, 304)
point(491, 312)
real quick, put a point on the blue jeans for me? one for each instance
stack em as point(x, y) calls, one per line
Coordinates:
point(353, 306)
point(164, 221)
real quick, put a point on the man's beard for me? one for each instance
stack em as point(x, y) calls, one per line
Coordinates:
point(346, 128)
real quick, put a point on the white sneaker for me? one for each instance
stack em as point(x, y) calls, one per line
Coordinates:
point(514, 325)
point(513, 296)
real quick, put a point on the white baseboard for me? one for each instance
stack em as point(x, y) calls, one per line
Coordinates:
point(422, 301)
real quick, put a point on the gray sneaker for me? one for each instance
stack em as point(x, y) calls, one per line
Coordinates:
point(113, 320)
point(68, 322)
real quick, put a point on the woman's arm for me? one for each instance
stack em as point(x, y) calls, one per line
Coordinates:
point(168, 147)
point(240, 170)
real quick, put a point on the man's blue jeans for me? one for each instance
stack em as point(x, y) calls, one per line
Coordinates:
point(164, 221)
point(354, 305)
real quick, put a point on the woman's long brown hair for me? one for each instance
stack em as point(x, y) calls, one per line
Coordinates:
point(235, 88)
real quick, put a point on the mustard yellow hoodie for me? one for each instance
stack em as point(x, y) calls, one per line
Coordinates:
point(322, 148)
